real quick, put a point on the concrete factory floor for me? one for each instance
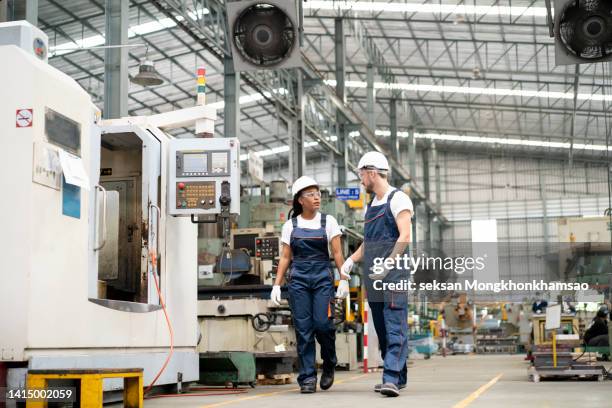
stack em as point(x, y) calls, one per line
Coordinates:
point(477, 381)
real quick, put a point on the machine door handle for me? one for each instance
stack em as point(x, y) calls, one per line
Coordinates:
point(100, 245)
point(154, 233)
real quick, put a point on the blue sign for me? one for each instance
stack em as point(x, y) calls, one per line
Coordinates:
point(347, 193)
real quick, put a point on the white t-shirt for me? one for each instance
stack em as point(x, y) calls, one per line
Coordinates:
point(331, 227)
point(399, 203)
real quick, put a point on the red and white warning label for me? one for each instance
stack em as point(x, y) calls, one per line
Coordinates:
point(24, 118)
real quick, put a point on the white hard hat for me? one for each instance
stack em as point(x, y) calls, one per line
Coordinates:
point(302, 183)
point(373, 159)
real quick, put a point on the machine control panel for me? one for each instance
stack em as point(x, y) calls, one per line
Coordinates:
point(267, 248)
point(197, 170)
point(196, 194)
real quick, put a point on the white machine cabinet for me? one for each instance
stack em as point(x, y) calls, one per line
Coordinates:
point(76, 281)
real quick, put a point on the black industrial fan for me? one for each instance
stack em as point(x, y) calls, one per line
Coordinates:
point(264, 34)
point(583, 31)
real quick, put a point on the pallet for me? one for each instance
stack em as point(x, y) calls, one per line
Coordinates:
point(276, 379)
point(576, 371)
point(90, 384)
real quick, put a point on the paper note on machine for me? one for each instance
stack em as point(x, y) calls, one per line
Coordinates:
point(73, 169)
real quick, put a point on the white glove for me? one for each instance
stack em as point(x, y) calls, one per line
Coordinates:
point(380, 275)
point(345, 270)
point(275, 296)
point(343, 289)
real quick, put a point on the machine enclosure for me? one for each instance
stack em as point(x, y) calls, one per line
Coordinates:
point(48, 278)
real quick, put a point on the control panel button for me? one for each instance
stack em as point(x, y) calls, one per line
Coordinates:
point(267, 248)
point(181, 186)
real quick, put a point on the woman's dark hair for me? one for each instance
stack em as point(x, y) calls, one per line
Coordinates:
point(297, 208)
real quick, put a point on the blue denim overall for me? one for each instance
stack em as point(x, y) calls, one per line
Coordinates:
point(389, 310)
point(311, 296)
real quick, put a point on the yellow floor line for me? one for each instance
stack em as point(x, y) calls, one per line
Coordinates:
point(270, 394)
point(470, 398)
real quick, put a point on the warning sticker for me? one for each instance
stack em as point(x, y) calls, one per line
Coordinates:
point(24, 118)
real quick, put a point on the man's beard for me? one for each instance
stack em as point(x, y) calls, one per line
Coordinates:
point(369, 188)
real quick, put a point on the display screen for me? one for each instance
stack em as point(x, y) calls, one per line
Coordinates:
point(245, 241)
point(195, 163)
point(220, 163)
point(63, 131)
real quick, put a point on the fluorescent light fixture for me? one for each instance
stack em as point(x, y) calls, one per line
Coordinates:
point(496, 140)
point(246, 99)
point(69, 47)
point(151, 27)
point(459, 9)
point(140, 29)
point(473, 90)
point(275, 150)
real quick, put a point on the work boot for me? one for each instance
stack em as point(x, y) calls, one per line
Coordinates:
point(377, 387)
point(327, 379)
point(389, 390)
point(309, 387)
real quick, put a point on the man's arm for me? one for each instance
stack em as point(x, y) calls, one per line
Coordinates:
point(357, 256)
point(404, 225)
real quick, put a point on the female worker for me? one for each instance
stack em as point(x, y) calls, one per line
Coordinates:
point(305, 239)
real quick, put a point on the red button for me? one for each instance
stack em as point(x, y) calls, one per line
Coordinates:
point(181, 186)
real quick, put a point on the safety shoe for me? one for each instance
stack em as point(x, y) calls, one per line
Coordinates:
point(389, 390)
point(377, 387)
point(327, 379)
point(309, 387)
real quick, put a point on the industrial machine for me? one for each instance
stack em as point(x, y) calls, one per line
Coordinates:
point(584, 252)
point(97, 243)
point(498, 332)
point(263, 248)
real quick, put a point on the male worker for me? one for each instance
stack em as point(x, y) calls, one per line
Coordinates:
point(387, 234)
point(597, 333)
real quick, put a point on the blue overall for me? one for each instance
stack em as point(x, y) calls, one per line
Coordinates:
point(311, 296)
point(389, 309)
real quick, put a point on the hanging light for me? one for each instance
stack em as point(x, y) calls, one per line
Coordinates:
point(147, 75)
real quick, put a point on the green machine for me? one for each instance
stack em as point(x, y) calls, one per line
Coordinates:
point(227, 368)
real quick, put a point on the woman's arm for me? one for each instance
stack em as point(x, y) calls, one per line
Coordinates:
point(336, 247)
point(283, 263)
